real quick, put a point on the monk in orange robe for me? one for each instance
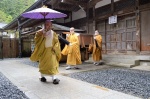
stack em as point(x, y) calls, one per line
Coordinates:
point(72, 50)
point(97, 48)
point(47, 51)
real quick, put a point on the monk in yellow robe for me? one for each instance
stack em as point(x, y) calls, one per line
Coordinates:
point(72, 50)
point(97, 48)
point(47, 51)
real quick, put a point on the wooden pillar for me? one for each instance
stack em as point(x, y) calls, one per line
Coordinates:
point(1, 45)
point(20, 31)
point(87, 19)
point(71, 18)
point(138, 32)
point(94, 20)
point(112, 7)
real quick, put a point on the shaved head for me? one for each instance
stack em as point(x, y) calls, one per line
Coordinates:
point(72, 30)
point(96, 32)
point(48, 24)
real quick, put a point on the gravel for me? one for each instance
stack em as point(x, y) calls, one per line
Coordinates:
point(8, 90)
point(133, 82)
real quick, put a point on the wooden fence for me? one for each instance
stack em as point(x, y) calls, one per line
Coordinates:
point(10, 47)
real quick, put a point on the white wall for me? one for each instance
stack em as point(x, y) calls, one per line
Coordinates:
point(78, 15)
point(103, 2)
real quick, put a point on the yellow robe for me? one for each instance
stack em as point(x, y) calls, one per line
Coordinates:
point(48, 57)
point(73, 51)
point(97, 55)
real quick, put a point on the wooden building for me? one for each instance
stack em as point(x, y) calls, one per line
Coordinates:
point(128, 36)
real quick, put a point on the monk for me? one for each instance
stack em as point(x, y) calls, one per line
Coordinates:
point(72, 50)
point(97, 48)
point(47, 51)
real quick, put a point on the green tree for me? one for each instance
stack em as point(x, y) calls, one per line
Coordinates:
point(4, 17)
point(13, 8)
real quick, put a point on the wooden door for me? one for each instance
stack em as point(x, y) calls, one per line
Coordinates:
point(145, 30)
point(119, 37)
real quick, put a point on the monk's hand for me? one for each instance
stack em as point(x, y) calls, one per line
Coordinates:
point(94, 37)
point(70, 44)
point(39, 33)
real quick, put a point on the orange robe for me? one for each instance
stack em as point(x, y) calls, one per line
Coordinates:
point(48, 57)
point(73, 51)
point(97, 55)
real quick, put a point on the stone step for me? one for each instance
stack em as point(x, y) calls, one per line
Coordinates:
point(124, 60)
point(120, 64)
point(145, 62)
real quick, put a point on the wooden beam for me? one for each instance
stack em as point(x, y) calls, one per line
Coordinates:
point(73, 2)
point(112, 7)
point(92, 3)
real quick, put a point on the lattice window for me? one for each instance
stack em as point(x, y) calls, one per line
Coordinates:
point(142, 2)
point(120, 25)
point(112, 38)
point(124, 4)
point(131, 23)
point(110, 27)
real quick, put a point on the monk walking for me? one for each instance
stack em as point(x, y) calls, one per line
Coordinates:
point(47, 52)
point(97, 48)
point(72, 50)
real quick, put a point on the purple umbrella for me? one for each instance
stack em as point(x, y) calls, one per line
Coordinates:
point(43, 13)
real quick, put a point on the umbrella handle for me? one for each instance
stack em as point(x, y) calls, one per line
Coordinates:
point(63, 40)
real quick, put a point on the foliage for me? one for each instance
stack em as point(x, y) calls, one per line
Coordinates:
point(5, 18)
point(10, 9)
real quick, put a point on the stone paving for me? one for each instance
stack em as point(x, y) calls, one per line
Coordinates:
point(25, 77)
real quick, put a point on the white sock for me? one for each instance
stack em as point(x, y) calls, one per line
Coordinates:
point(68, 66)
point(53, 77)
point(42, 75)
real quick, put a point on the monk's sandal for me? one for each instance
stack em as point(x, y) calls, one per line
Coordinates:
point(43, 79)
point(56, 81)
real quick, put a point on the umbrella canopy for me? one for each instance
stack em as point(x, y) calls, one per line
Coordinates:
point(43, 13)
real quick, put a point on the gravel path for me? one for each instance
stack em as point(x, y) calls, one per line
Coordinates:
point(133, 82)
point(8, 90)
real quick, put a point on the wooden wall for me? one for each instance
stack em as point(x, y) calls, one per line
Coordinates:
point(10, 48)
point(145, 30)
